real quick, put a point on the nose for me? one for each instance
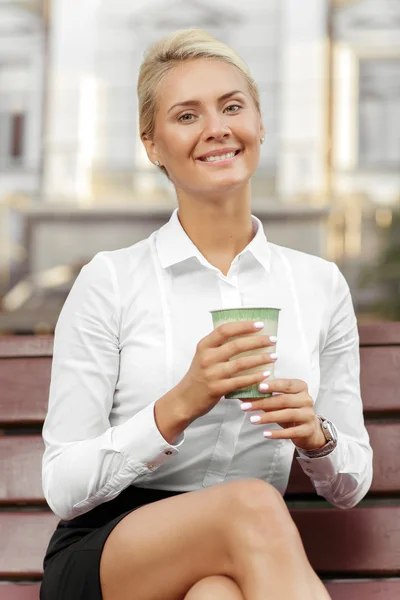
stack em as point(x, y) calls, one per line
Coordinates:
point(215, 128)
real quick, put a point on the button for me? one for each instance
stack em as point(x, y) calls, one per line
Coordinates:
point(151, 465)
point(309, 471)
point(168, 452)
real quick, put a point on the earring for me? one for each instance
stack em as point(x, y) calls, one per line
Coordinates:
point(157, 163)
point(262, 140)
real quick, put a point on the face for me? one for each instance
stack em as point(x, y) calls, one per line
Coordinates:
point(207, 127)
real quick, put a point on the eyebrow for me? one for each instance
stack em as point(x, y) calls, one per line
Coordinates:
point(197, 102)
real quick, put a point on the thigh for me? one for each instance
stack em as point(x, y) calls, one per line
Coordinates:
point(216, 587)
point(162, 549)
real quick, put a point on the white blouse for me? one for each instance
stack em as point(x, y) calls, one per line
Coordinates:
point(127, 334)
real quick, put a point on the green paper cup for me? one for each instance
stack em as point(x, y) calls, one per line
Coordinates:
point(270, 317)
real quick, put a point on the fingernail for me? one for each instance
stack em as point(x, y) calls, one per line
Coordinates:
point(266, 373)
point(255, 418)
point(259, 325)
point(263, 387)
point(245, 405)
point(273, 338)
point(273, 356)
point(267, 434)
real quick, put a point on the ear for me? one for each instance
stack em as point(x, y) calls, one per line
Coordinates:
point(262, 130)
point(150, 148)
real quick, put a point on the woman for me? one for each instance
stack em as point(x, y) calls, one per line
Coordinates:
point(166, 489)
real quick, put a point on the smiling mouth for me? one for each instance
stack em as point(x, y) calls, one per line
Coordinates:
point(220, 157)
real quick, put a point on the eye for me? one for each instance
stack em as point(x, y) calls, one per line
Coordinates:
point(183, 117)
point(235, 106)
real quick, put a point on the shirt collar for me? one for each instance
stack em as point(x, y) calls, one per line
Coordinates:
point(175, 246)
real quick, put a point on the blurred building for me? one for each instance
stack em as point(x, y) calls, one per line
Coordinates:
point(74, 177)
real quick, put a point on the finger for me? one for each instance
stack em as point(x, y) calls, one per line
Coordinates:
point(289, 415)
point(234, 349)
point(298, 432)
point(221, 334)
point(237, 383)
point(278, 402)
point(287, 386)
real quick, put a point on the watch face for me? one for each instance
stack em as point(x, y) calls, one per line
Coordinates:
point(329, 431)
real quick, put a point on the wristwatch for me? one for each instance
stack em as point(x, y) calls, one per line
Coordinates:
point(331, 437)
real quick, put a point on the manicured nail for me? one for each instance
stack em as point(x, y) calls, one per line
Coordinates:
point(255, 418)
point(273, 338)
point(266, 373)
point(245, 405)
point(259, 325)
point(263, 387)
point(267, 434)
point(273, 356)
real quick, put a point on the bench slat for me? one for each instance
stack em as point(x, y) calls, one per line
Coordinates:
point(17, 346)
point(379, 334)
point(21, 456)
point(342, 590)
point(364, 590)
point(365, 541)
point(370, 536)
point(20, 469)
point(19, 592)
point(385, 442)
point(24, 539)
point(380, 378)
point(24, 385)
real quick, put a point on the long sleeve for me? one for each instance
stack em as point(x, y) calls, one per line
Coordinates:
point(86, 461)
point(344, 476)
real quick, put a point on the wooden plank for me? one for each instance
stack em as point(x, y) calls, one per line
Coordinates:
point(365, 590)
point(24, 385)
point(21, 469)
point(19, 591)
point(385, 442)
point(364, 541)
point(379, 334)
point(361, 541)
point(380, 378)
point(14, 346)
point(20, 466)
point(24, 539)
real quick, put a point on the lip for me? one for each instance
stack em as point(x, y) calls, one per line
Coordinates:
point(218, 152)
point(221, 163)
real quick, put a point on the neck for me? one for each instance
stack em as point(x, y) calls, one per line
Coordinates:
point(220, 228)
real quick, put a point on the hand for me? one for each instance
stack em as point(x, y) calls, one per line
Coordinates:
point(293, 409)
point(212, 374)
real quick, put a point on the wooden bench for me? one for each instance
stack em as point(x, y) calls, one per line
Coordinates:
point(356, 552)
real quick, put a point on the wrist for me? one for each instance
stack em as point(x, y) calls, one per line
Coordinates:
point(170, 416)
point(315, 442)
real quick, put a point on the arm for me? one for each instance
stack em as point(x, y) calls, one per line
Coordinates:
point(344, 476)
point(86, 461)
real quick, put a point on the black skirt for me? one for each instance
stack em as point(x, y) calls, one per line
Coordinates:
point(72, 561)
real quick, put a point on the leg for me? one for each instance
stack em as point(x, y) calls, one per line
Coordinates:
point(240, 529)
point(217, 587)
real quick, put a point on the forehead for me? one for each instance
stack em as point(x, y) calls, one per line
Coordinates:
point(200, 79)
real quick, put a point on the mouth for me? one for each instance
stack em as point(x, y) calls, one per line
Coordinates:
point(220, 158)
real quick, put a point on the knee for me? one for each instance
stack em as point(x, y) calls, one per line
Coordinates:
point(256, 506)
point(215, 586)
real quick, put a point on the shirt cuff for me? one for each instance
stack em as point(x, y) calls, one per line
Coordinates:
point(140, 442)
point(322, 470)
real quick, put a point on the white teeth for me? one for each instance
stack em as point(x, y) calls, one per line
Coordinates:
point(219, 157)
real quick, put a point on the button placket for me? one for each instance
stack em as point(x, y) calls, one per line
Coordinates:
point(233, 417)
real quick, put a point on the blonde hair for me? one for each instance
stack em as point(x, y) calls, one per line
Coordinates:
point(163, 56)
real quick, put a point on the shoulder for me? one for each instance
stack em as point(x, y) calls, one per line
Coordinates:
point(121, 261)
point(305, 265)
